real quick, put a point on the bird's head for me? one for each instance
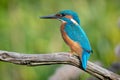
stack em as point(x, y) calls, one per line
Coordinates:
point(64, 16)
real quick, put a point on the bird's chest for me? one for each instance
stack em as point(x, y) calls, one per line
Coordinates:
point(70, 42)
point(67, 34)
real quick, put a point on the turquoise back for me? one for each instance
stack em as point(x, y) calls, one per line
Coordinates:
point(76, 33)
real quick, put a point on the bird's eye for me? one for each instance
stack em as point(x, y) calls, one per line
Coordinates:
point(60, 15)
point(63, 14)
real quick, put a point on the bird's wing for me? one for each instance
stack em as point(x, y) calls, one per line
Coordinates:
point(76, 33)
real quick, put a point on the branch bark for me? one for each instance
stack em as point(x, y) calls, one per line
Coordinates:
point(56, 58)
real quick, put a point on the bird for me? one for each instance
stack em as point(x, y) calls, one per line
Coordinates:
point(73, 35)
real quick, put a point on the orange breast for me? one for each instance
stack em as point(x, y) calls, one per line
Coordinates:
point(74, 46)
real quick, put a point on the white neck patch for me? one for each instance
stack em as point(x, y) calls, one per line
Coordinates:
point(71, 20)
point(62, 20)
point(74, 21)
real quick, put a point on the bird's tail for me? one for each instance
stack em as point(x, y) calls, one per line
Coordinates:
point(84, 59)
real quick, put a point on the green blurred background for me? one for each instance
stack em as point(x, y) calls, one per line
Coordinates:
point(21, 30)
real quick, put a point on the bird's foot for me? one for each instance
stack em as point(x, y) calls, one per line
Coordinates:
point(71, 54)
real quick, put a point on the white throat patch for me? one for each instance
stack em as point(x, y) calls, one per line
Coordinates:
point(62, 20)
point(74, 21)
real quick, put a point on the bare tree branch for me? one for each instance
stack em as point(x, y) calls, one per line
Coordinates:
point(56, 58)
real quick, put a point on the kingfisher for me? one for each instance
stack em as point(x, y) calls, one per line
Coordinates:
point(73, 35)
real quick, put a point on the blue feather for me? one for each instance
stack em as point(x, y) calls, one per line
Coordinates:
point(85, 57)
point(76, 33)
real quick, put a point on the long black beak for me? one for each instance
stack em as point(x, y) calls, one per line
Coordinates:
point(50, 17)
